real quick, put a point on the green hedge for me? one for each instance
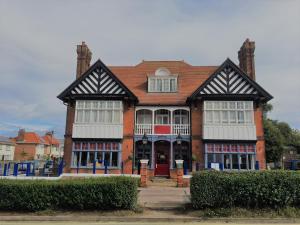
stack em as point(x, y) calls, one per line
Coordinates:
point(80, 194)
point(259, 189)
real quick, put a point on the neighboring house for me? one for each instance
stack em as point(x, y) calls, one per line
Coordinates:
point(291, 158)
point(61, 147)
point(163, 111)
point(30, 146)
point(51, 145)
point(7, 148)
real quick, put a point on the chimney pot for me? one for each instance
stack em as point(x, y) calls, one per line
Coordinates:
point(84, 56)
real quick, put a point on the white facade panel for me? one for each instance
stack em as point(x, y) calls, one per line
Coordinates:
point(229, 132)
point(97, 131)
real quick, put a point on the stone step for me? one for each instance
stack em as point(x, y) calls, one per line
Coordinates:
point(162, 181)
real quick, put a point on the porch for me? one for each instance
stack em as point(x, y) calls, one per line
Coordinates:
point(162, 121)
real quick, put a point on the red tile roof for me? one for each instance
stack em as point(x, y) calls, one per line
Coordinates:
point(50, 140)
point(189, 79)
point(31, 137)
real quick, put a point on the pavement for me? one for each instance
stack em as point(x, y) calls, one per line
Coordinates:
point(163, 198)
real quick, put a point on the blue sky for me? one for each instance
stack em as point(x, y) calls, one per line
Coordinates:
point(38, 41)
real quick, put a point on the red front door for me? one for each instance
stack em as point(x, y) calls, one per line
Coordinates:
point(162, 166)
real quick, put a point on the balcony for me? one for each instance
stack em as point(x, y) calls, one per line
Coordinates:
point(169, 129)
point(162, 121)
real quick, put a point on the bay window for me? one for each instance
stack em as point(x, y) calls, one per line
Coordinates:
point(228, 112)
point(84, 154)
point(102, 112)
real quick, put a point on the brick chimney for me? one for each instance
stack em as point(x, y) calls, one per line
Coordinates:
point(84, 56)
point(21, 135)
point(246, 58)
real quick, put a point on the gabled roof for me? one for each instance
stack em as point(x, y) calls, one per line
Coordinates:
point(50, 140)
point(31, 138)
point(228, 81)
point(98, 81)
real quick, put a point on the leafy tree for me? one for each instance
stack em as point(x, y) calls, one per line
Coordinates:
point(274, 141)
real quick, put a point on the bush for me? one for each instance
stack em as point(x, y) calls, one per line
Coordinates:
point(93, 193)
point(253, 189)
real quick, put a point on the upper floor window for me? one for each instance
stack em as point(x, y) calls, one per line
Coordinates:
point(103, 112)
point(162, 81)
point(228, 112)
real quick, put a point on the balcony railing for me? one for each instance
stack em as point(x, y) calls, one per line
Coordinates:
point(162, 129)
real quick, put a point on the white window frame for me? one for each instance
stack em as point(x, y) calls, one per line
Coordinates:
point(223, 108)
point(108, 109)
point(162, 80)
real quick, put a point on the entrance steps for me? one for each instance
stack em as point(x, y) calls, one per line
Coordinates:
point(162, 182)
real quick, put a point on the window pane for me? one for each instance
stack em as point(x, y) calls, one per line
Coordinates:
point(235, 161)
point(80, 104)
point(231, 105)
point(224, 116)
point(248, 116)
point(109, 105)
point(232, 115)
point(79, 116)
point(159, 85)
point(240, 105)
point(173, 85)
point(86, 116)
point(83, 159)
point(227, 161)
point(243, 159)
point(209, 116)
point(116, 116)
point(208, 105)
point(94, 116)
point(224, 105)
point(108, 116)
point(114, 160)
point(217, 117)
point(75, 158)
point(91, 158)
point(248, 105)
point(101, 116)
point(240, 116)
point(166, 85)
point(152, 84)
point(95, 104)
point(216, 105)
point(87, 104)
point(107, 158)
point(102, 105)
point(117, 105)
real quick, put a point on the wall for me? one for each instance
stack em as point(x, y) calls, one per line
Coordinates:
point(29, 149)
point(68, 137)
point(260, 144)
point(196, 128)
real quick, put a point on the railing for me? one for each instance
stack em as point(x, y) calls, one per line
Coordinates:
point(182, 129)
point(175, 129)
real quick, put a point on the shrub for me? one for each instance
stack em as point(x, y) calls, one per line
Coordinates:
point(253, 189)
point(80, 194)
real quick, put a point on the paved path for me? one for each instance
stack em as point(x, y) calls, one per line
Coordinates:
point(156, 197)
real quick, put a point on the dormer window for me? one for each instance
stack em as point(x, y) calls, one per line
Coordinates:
point(162, 81)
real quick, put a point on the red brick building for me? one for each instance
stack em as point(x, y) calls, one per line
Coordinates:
point(209, 116)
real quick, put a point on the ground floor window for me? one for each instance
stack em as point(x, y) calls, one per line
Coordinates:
point(143, 151)
point(103, 153)
point(181, 151)
point(230, 156)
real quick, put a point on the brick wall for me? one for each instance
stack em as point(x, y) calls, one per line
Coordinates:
point(260, 144)
point(29, 149)
point(197, 144)
point(68, 137)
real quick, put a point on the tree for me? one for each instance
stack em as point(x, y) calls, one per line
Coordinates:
point(274, 141)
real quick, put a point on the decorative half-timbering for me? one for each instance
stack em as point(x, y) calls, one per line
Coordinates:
point(228, 81)
point(98, 81)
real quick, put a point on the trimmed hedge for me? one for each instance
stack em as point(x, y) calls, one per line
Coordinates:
point(253, 189)
point(80, 194)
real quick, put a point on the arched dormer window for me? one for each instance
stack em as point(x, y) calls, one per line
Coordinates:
point(162, 72)
point(162, 81)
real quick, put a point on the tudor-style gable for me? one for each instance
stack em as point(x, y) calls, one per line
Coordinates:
point(229, 81)
point(97, 82)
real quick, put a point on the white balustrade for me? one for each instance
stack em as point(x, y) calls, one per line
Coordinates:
point(182, 129)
